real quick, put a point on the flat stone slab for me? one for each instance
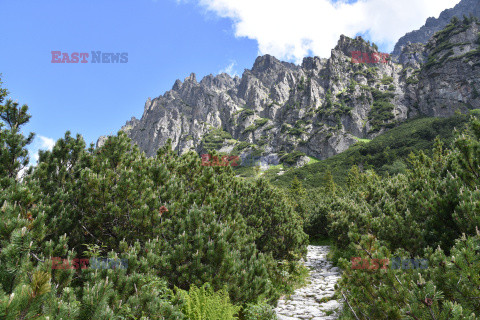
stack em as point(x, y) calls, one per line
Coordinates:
point(306, 303)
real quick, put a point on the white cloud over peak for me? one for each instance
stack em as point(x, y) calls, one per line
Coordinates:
point(230, 69)
point(293, 29)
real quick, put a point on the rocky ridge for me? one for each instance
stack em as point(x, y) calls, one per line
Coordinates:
point(433, 25)
point(320, 108)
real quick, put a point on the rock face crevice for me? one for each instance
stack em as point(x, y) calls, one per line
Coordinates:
point(319, 108)
point(314, 301)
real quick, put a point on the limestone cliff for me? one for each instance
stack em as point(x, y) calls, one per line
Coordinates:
point(320, 107)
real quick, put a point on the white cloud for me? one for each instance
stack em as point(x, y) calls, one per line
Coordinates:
point(43, 143)
point(230, 69)
point(292, 30)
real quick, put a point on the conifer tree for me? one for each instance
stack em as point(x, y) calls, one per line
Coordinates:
point(330, 186)
point(353, 178)
point(298, 195)
point(13, 155)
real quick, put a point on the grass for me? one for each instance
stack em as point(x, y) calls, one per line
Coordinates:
point(313, 160)
point(362, 140)
point(321, 242)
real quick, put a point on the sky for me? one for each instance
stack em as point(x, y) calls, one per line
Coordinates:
point(165, 40)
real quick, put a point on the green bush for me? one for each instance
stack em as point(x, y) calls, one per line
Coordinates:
point(412, 80)
point(430, 212)
point(240, 146)
point(177, 222)
point(411, 136)
point(205, 304)
point(246, 113)
point(296, 131)
point(386, 80)
point(380, 113)
point(261, 311)
point(214, 139)
point(291, 158)
point(249, 129)
point(260, 122)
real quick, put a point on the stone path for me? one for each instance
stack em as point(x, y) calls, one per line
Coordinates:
point(313, 301)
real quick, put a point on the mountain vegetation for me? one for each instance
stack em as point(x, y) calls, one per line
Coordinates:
point(387, 154)
point(393, 174)
point(178, 224)
point(429, 211)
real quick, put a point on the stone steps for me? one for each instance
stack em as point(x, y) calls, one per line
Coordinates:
point(314, 301)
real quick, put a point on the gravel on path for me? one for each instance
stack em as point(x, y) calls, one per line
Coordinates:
point(314, 301)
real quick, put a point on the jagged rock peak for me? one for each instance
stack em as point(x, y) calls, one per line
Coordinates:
point(268, 62)
point(177, 85)
point(347, 45)
point(265, 62)
point(191, 77)
point(282, 107)
point(220, 81)
point(311, 63)
point(432, 25)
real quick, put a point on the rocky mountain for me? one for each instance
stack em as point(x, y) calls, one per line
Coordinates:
point(279, 110)
point(433, 25)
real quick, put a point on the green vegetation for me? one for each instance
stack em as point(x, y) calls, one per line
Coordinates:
point(381, 112)
point(298, 129)
point(362, 140)
point(270, 127)
point(262, 311)
point(380, 153)
point(215, 138)
point(250, 128)
point(177, 223)
point(301, 84)
point(313, 160)
point(240, 146)
point(382, 109)
point(260, 122)
point(342, 108)
point(413, 79)
point(428, 211)
point(386, 80)
point(238, 111)
point(202, 244)
point(443, 43)
point(291, 158)
point(246, 113)
point(203, 303)
point(285, 127)
point(352, 85)
point(328, 100)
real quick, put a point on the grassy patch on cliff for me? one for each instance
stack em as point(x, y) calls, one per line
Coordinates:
point(215, 138)
point(386, 154)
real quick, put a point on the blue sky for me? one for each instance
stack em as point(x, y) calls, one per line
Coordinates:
point(167, 40)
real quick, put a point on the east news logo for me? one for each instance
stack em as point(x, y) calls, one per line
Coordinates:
point(397, 263)
point(366, 57)
point(82, 57)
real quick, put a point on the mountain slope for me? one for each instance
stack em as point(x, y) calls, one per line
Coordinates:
point(320, 107)
point(433, 25)
point(385, 154)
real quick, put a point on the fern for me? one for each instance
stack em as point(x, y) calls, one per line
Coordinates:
point(205, 304)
